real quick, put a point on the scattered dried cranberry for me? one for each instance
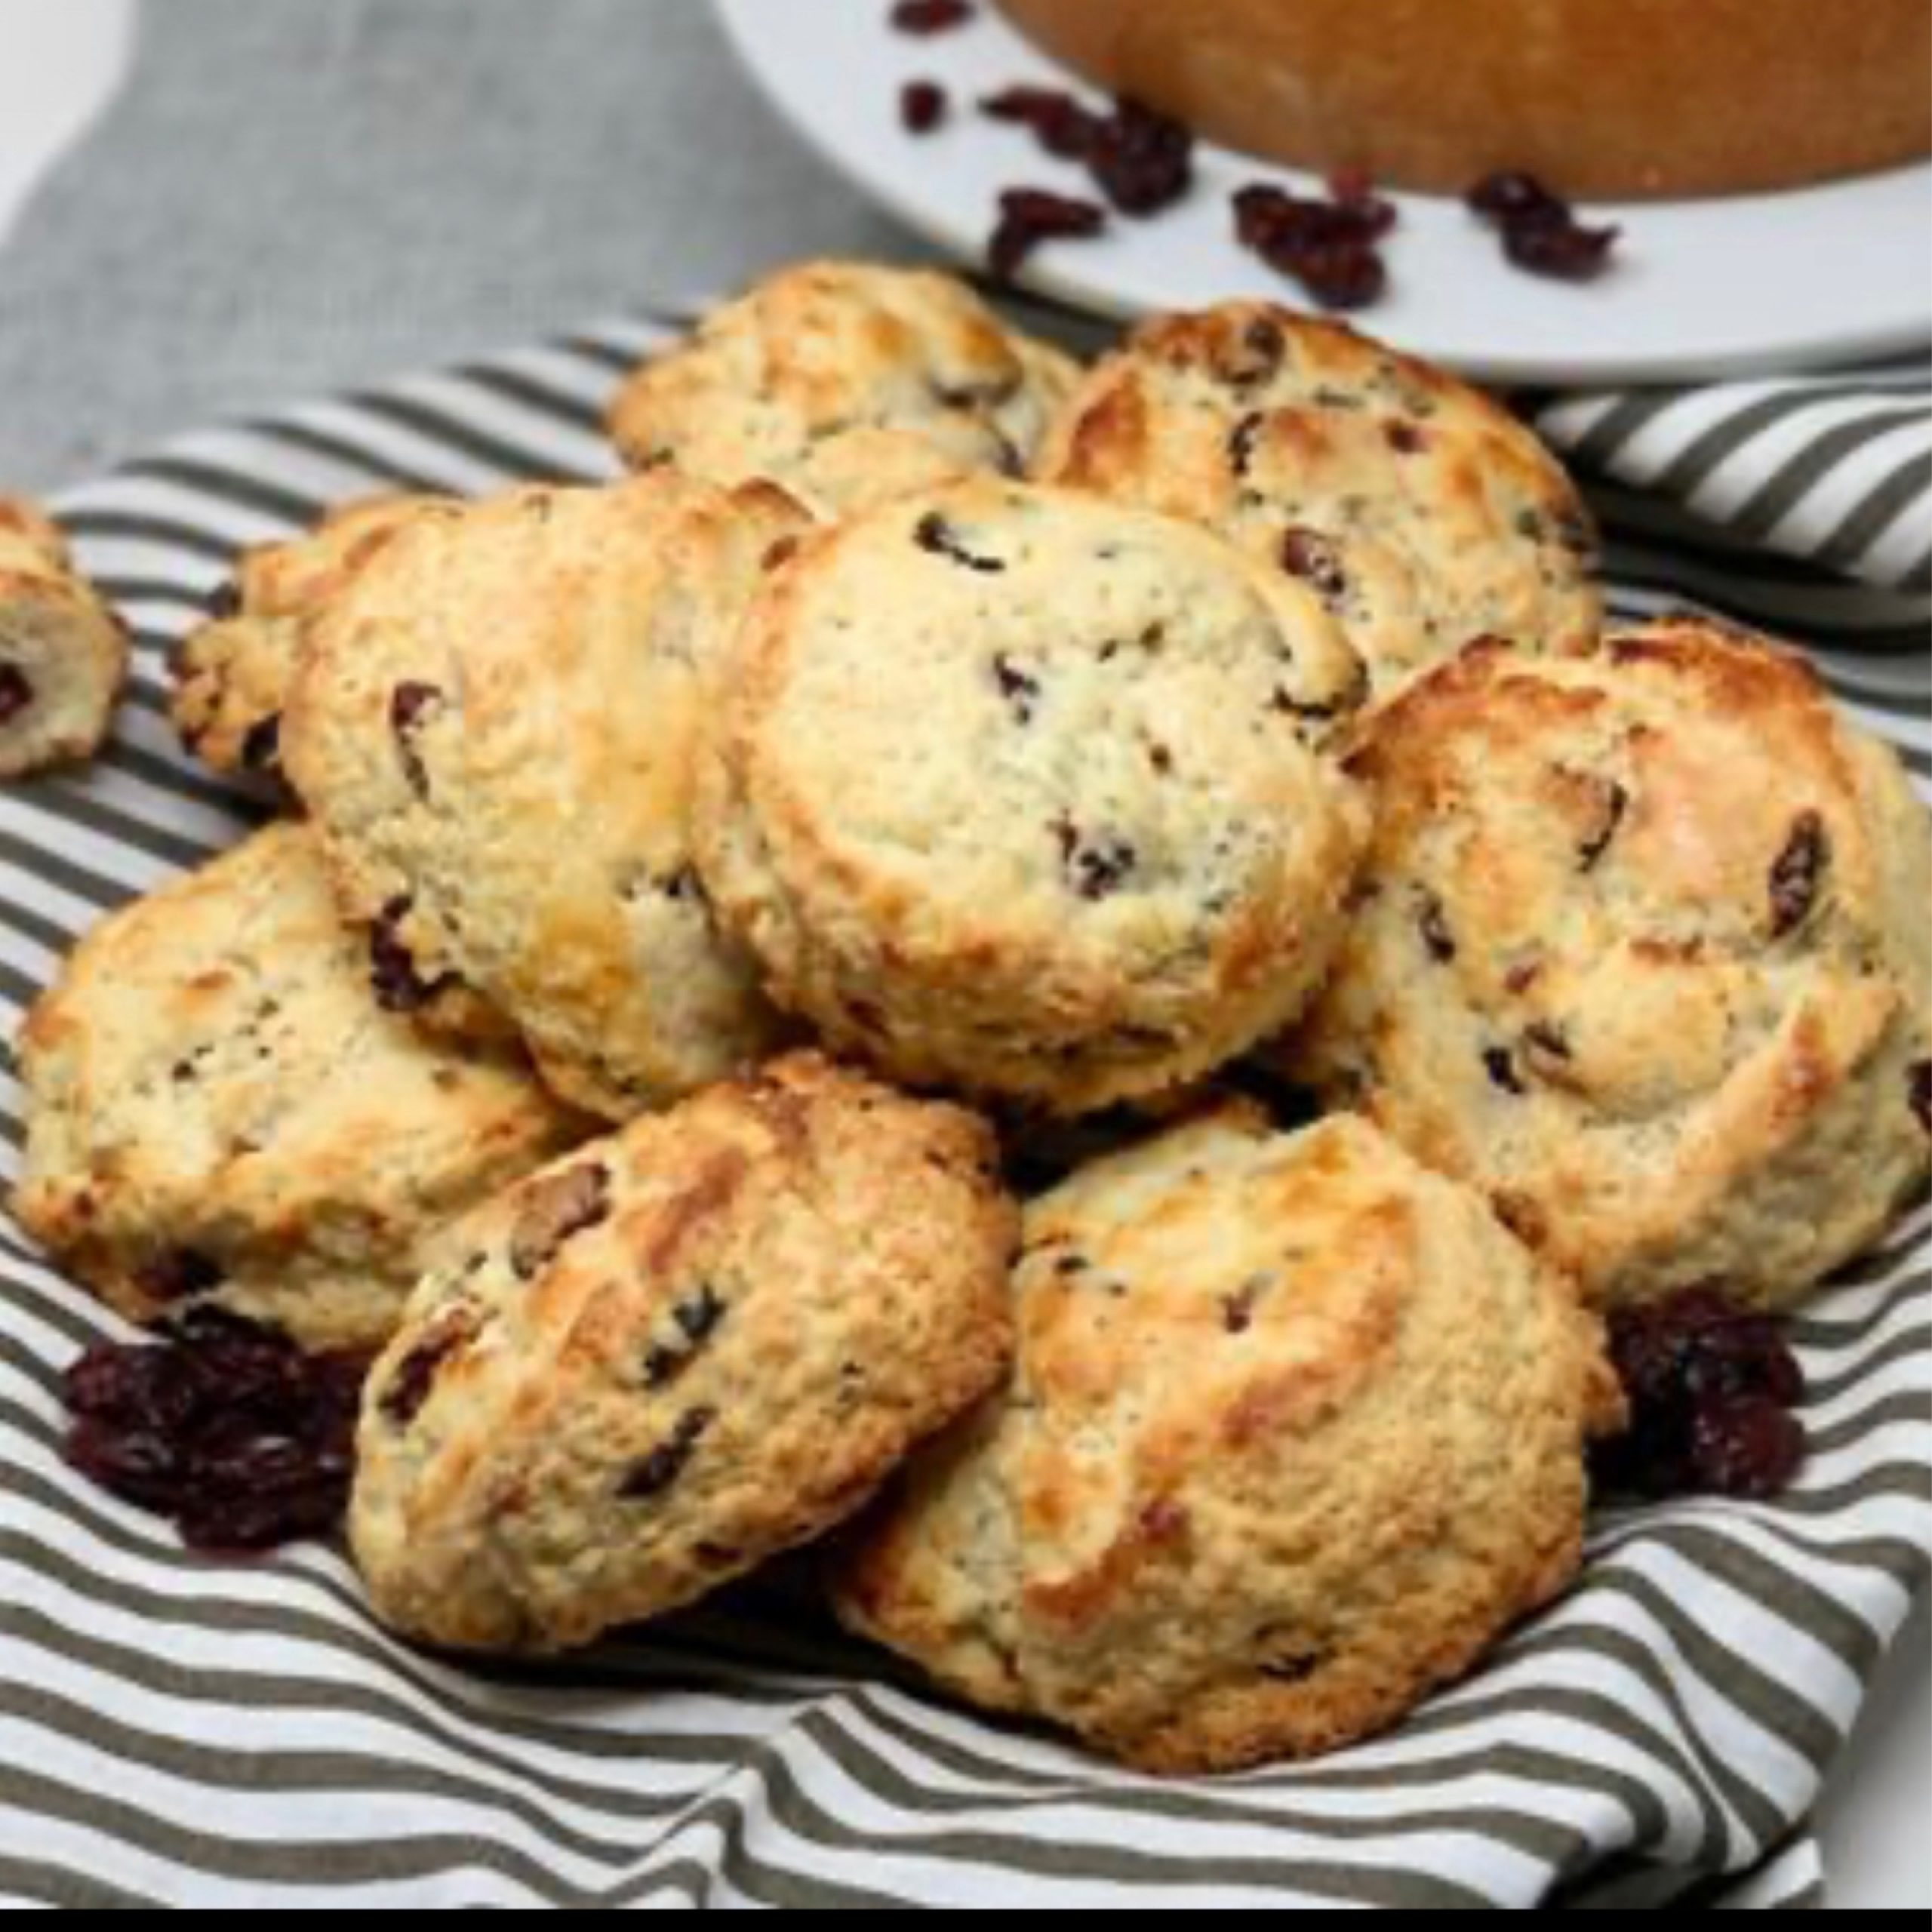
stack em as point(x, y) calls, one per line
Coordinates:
point(224, 603)
point(1141, 161)
point(1919, 1090)
point(1066, 129)
point(16, 693)
point(1711, 1387)
point(228, 1429)
point(923, 106)
point(925, 17)
point(1330, 247)
point(1540, 230)
point(1030, 217)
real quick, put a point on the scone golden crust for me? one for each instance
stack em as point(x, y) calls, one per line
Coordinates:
point(848, 385)
point(1423, 514)
point(63, 652)
point(1025, 794)
point(219, 1112)
point(233, 675)
point(678, 1354)
point(1295, 1433)
point(494, 726)
point(1645, 957)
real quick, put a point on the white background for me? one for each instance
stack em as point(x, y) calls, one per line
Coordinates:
point(60, 61)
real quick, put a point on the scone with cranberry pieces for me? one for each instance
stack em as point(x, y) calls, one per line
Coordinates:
point(678, 1354)
point(234, 673)
point(1644, 954)
point(1423, 514)
point(1024, 794)
point(220, 1113)
point(495, 727)
point(846, 384)
point(1296, 1432)
point(63, 651)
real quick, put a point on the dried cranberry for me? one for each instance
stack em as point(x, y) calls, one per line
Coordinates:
point(410, 705)
point(261, 747)
point(1616, 808)
point(413, 1381)
point(1330, 247)
point(1570, 253)
point(938, 537)
point(1019, 688)
point(1749, 1447)
point(925, 17)
point(670, 1459)
point(227, 1428)
point(399, 987)
point(1501, 1064)
point(554, 1211)
point(16, 693)
point(1316, 560)
point(923, 106)
point(1799, 874)
point(1710, 1387)
point(1433, 920)
point(1512, 196)
point(1919, 1093)
point(179, 1275)
point(1540, 230)
point(1097, 865)
point(1141, 161)
point(1029, 217)
point(224, 603)
point(1067, 130)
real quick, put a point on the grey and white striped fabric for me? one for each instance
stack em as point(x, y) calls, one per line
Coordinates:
point(175, 1731)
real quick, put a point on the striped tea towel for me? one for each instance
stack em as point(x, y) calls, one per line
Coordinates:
point(175, 1731)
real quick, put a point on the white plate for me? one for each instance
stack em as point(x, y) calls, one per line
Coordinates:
point(1730, 286)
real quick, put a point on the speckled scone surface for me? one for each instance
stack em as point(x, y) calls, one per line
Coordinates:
point(1296, 1432)
point(1422, 512)
point(63, 652)
point(1032, 794)
point(678, 1353)
point(848, 385)
point(219, 1112)
point(1646, 957)
point(234, 674)
point(495, 727)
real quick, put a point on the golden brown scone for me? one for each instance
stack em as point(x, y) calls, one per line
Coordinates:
point(494, 727)
point(1423, 514)
point(1645, 956)
point(846, 384)
point(218, 1111)
point(233, 675)
point(1295, 1433)
point(680, 1353)
point(1025, 794)
point(63, 652)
